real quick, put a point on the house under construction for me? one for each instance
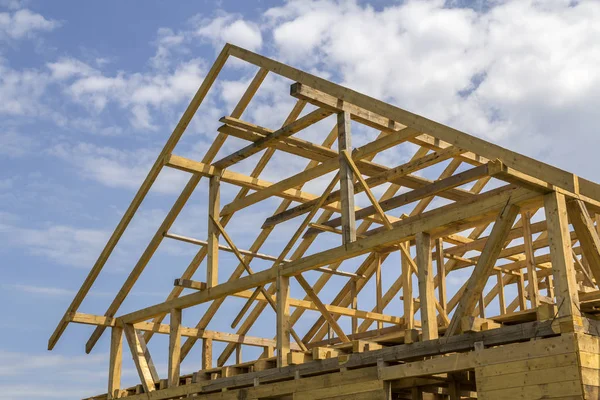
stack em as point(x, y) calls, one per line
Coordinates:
point(521, 226)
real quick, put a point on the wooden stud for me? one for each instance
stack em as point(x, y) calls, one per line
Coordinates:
point(563, 269)
point(207, 353)
point(283, 319)
point(115, 362)
point(501, 299)
point(354, 304)
point(407, 289)
point(441, 273)
point(212, 265)
point(426, 286)
point(346, 179)
point(378, 289)
point(174, 348)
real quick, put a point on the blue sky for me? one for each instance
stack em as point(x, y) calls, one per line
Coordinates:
point(89, 92)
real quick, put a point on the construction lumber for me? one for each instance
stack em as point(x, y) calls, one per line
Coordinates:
point(587, 234)
point(346, 179)
point(484, 266)
point(563, 269)
point(426, 287)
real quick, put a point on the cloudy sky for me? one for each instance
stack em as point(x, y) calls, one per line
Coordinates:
point(89, 92)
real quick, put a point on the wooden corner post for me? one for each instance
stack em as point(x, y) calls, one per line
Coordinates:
point(212, 265)
point(563, 269)
point(346, 179)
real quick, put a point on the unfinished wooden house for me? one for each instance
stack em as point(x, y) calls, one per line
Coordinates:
point(519, 325)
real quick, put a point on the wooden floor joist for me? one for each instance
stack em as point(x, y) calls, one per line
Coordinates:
point(458, 205)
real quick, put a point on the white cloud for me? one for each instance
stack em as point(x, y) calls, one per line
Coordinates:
point(118, 168)
point(66, 68)
point(167, 43)
point(41, 290)
point(230, 28)
point(523, 73)
point(21, 90)
point(63, 244)
point(24, 23)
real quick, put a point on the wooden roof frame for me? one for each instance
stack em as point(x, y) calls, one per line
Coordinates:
point(566, 272)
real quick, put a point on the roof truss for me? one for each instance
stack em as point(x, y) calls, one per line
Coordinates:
point(484, 187)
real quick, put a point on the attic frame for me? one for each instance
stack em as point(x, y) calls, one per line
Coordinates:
point(559, 286)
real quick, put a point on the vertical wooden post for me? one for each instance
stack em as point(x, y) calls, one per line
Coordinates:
point(521, 291)
point(115, 362)
point(174, 348)
point(530, 259)
point(481, 306)
point(346, 179)
point(207, 353)
point(407, 293)
point(238, 354)
point(441, 273)
point(378, 289)
point(212, 261)
point(283, 319)
point(563, 270)
point(354, 295)
point(426, 286)
point(501, 298)
point(550, 286)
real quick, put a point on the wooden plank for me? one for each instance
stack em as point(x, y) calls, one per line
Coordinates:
point(212, 264)
point(139, 358)
point(287, 130)
point(563, 269)
point(190, 284)
point(346, 179)
point(283, 319)
point(484, 266)
point(174, 348)
point(426, 286)
point(196, 333)
point(115, 362)
point(140, 195)
point(586, 233)
point(238, 179)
